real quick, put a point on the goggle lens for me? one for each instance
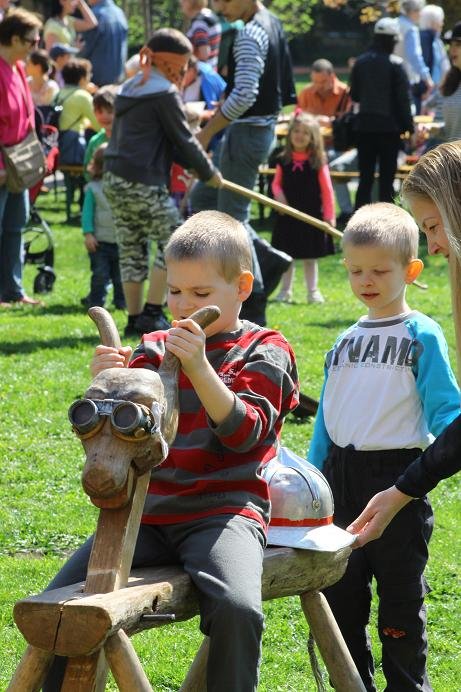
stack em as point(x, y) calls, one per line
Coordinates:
point(127, 417)
point(84, 415)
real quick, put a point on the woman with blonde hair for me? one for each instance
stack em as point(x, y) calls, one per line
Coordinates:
point(433, 193)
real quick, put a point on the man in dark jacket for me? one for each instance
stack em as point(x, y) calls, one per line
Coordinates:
point(380, 86)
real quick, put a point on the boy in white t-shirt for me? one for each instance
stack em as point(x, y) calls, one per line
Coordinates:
point(389, 388)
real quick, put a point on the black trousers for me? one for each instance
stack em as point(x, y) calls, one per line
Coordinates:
point(376, 148)
point(396, 560)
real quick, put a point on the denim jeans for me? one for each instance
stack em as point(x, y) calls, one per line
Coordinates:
point(345, 161)
point(105, 269)
point(14, 210)
point(243, 149)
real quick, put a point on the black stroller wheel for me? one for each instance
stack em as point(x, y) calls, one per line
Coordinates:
point(44, 280)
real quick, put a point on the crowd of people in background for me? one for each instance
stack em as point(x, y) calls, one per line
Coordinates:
point(406, 70)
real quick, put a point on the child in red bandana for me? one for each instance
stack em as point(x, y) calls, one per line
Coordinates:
point(150, 131)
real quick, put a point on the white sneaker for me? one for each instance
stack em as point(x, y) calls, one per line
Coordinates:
point(315, 297)
point(283, 297)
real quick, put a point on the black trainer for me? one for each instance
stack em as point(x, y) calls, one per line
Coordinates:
point(151, 323)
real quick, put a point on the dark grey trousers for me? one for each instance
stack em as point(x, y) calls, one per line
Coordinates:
point(223, 556)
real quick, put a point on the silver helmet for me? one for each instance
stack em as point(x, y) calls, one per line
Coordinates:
point(301, 506)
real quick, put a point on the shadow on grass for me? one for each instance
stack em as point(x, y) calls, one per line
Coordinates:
point(10, 348)
point(57, 309)
point(335, 323)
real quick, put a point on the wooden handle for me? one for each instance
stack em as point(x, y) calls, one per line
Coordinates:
point(282, 208)
point(203, 317)
point(106, 326)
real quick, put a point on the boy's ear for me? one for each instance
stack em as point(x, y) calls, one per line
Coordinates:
point(414, 269)
point(245, 285)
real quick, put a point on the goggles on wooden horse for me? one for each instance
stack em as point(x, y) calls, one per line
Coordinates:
point(129, 421)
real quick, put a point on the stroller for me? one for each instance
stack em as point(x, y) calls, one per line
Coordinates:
point(38, 247)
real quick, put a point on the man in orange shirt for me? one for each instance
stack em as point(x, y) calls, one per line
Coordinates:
point(323, 98)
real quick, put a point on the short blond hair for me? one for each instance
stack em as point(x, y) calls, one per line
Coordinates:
point(215, 236)
point(384, 225)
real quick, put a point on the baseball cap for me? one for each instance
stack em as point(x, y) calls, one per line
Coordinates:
point(386, 26)
point(59, 49)
point(454, 34)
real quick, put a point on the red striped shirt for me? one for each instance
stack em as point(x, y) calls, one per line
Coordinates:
point(215, 469)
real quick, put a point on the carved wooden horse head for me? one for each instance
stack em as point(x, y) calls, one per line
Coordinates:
point(127, 419)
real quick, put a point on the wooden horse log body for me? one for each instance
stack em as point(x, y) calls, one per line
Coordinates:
point(78, 624)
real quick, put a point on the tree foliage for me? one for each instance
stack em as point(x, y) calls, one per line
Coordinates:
point(295, 15)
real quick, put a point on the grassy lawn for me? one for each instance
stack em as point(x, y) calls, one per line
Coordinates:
point(44, 356)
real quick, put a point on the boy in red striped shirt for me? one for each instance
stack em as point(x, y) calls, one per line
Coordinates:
point(207, 506)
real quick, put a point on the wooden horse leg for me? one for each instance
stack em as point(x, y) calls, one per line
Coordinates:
point(335, 654)
point(125, 665)
point(108, 569)
point(195, 680)
point(85, 674)
point(31, 671)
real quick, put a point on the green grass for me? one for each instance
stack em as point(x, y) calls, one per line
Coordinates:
point(44, 356)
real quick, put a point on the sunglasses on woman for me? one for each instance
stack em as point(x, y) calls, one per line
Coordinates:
point(31, 41)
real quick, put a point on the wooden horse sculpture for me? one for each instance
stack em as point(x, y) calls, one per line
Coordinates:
point(115, 476)
point(89, 623)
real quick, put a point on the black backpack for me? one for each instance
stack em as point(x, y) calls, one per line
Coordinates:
point(55, 109)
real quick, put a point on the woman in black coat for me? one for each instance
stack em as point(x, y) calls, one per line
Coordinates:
point(380, 86)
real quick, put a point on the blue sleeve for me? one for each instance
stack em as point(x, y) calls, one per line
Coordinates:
point(90, 40)
point(414, 54)
point(321, 442)
point(88, 211)
point(435, 380)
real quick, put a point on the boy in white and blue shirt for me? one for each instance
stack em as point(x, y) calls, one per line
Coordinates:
point(389, 389)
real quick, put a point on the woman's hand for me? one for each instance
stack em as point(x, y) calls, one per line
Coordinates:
point(378, 513)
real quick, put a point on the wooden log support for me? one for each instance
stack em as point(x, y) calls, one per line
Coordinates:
point(195, 680)
point(86, 673)
point(124, 664)
point(335, 654)
point(31, 671)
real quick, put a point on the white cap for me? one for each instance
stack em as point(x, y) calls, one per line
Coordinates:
point(301, 506)
point(386, 26)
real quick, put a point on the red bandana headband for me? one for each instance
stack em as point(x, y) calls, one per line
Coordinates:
point(171, 64)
